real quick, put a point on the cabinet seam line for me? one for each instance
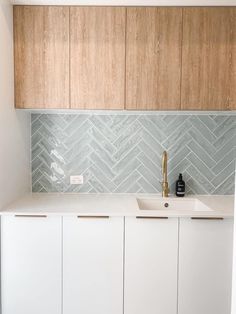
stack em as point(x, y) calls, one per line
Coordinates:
point(70, 106)
point(125, 74)
point(178, 265)
point(62, 266)
point(181, 60)
point(124, 266)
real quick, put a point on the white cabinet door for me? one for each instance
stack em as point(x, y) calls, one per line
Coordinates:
point(93, 265)
point(151, 255)
point(205, 266)
point(31, 265)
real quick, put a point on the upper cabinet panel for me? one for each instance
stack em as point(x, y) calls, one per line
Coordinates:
point(41, 38)
point(232, 91)
point(97, 39)
point(153, 58)
point(143, 58)
point(208, 67)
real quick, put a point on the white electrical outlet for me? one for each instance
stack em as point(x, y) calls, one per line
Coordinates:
point(76, 180)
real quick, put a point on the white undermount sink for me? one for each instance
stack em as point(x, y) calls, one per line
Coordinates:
point(171, 204)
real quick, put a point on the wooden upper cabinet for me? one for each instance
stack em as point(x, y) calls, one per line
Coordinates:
point(209, 59)
point(97, 40)
point(41, 45)
point(153, 58)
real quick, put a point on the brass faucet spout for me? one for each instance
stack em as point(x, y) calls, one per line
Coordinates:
point(165, 187)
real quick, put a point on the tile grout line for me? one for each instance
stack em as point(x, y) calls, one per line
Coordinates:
point(128, 112)
point(30, 155)
point(225, 180)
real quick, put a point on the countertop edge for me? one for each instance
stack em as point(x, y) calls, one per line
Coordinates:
point(113, 205)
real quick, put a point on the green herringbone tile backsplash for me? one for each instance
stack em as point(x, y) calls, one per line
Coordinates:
point(121, 153)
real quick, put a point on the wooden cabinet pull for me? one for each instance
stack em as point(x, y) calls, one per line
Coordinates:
point(31, 216)
point(94, 217)
point(207, 218)
point(151, 217)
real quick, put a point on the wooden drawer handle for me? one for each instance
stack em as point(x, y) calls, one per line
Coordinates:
point(151, 217)
point(94, 217)
point(31, 216)
point(207, 218)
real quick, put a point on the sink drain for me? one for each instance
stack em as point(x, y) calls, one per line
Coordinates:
point(166, 205)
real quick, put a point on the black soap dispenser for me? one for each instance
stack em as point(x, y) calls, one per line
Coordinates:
point(180, 186)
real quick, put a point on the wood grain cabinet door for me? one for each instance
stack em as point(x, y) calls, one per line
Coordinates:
point(97, 41)
point(153, 58)
point(209, 59)
point(41, 40)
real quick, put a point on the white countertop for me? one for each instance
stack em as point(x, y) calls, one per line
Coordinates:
point(117, 205)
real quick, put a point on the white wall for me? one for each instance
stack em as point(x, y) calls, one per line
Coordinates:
point(14, 126)
point(130, 2)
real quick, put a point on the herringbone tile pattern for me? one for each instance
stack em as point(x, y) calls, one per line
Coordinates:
point(121, 153)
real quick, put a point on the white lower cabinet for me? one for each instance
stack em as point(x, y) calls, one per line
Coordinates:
point(205, 266)
point(31, 265)
point(93, 265)
point(151, 259)
point(101, 265)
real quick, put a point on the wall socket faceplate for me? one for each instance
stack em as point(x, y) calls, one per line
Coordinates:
point(76, 180)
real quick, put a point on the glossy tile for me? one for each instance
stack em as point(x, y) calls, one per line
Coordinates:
point(121, 153)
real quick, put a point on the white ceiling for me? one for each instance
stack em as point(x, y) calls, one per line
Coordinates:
point(130, 2)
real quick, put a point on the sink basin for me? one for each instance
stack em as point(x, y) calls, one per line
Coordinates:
point(171, 204)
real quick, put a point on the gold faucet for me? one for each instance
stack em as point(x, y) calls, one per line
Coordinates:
point(164, 183)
